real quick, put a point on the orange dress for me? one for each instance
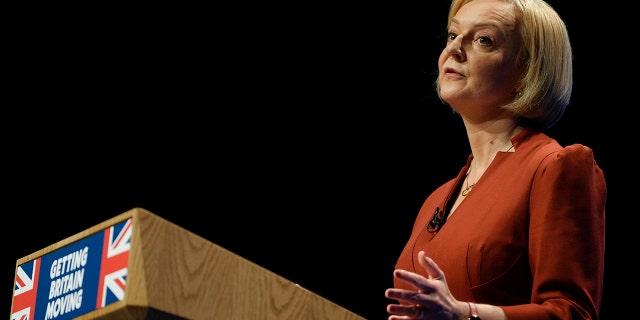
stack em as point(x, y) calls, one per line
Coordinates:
point(529, 237)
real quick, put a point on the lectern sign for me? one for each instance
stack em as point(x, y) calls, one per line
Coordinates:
point(76, 279)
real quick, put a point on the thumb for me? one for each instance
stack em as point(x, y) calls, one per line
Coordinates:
point(430, 266)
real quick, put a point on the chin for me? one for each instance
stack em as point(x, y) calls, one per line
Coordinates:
point(448, 96)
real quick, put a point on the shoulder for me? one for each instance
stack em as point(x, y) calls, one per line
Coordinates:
point(572, 154)
point(572, 169)
point(545, 155)
point(573, 164)
point(545, 149)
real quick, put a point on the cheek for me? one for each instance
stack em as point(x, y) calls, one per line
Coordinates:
point(500, 74)
point(500, 77)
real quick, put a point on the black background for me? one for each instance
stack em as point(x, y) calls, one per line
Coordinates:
point(301, 137)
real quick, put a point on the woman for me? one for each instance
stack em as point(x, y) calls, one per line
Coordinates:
point(519, 232)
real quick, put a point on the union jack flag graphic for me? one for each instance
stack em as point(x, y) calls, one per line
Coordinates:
point(25, 290)
point(113, 270)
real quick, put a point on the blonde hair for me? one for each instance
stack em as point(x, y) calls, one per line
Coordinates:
point(545, 62)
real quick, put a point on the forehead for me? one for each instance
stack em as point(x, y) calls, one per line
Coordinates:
point(498, 13)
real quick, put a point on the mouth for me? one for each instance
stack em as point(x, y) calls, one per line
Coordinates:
point(449, 71)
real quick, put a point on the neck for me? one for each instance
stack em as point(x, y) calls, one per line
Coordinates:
point(486, 144)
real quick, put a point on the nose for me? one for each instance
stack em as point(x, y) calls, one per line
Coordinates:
point(454, 49)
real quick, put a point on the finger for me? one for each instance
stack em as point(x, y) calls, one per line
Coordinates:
point(417, 281)
point(411, 311)
point(430, 266)
point(409, 297)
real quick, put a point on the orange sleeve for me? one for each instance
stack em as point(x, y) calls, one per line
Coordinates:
point(567, 237)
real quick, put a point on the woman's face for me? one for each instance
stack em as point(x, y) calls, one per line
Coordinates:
point(477, 68)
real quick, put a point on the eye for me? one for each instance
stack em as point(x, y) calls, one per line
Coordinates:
point(485, 41)
point(451, 36)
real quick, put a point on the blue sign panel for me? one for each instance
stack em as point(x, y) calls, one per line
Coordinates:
point(76, 279)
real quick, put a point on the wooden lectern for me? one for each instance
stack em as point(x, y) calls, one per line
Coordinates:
point(138, 265)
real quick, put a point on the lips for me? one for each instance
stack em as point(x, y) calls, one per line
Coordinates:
point(449, 71)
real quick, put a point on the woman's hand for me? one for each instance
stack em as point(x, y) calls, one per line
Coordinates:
point(431, 299)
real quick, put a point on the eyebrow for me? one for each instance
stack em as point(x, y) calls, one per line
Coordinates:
point(494, 24)
point(482, 24)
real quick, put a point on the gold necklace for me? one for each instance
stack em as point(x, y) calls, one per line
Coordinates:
point(468, 186)
point(466, 189)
